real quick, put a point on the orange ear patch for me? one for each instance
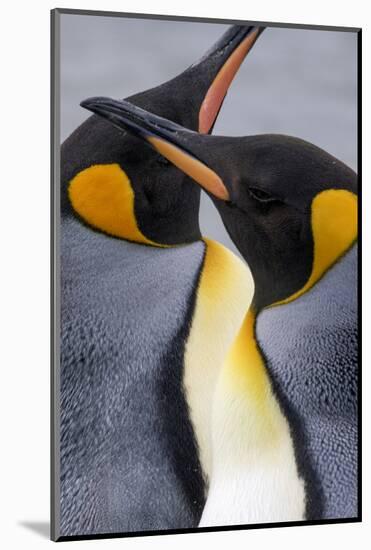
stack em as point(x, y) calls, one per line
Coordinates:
point(103, 196)
point(334, 228)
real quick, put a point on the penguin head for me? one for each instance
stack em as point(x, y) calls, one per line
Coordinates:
point(289, 207)
point(116, 184)
point(291, 210)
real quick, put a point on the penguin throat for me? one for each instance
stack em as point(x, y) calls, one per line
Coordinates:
point(246, 366)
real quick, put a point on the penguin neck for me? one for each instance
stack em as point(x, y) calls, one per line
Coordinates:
point(224, 292)
point(245, 364)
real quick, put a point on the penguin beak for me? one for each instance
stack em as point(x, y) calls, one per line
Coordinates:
point(172, 141)
point(210, 78)
point(219, 66)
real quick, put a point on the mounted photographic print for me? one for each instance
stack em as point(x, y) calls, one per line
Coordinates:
point(205, 345)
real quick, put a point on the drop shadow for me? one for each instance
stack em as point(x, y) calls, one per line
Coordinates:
point(41, 528)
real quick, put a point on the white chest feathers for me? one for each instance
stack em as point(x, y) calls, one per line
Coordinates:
point(254, 477)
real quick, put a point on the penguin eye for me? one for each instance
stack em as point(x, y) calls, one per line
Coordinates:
point(163, 161)
point(260, 195)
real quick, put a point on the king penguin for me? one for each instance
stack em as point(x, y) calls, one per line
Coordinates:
point(284, 420)
point(130, 314)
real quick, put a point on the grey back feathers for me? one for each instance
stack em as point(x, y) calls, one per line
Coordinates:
point(311, 350)
point(128, 455)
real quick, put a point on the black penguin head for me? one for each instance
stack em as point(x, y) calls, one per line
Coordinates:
point(291, 210)
point(118, 185)
point(290, 207)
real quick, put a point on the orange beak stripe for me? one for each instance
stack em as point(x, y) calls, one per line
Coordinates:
point(194, 168)
point(218, 89)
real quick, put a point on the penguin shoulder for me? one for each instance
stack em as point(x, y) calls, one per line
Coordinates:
point(310, 344)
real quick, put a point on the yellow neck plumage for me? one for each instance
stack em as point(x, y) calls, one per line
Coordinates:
point(224, 292)
point(334, 230)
